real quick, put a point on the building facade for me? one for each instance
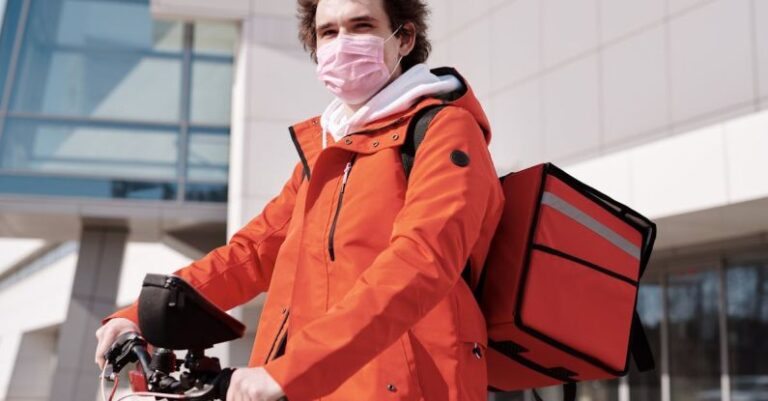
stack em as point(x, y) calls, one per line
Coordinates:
point(114, 146)
point(661, 104)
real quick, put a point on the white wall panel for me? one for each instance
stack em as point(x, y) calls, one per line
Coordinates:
point(710, 59)
point(517, 140)
point(569, 28)
point(471, 55)
point(516, 42)
point(619, 17)
point(635, 86)
point(571, 117)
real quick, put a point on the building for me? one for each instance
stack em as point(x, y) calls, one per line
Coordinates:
point(660, 103)
point(115, 140)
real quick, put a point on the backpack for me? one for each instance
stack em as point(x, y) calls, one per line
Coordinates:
point(557, 237)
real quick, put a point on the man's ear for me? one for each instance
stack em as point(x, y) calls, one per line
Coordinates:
point(407, 37)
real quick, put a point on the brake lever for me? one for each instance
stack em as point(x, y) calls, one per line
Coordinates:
point(119, 354)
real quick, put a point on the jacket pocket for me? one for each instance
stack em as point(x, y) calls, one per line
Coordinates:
point(471, 322)
point(473, 371)
point(278, 344)
point(472, 344)
point(398, 375)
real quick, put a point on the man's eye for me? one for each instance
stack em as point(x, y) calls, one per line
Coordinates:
point(328, 33)
point(363, 27)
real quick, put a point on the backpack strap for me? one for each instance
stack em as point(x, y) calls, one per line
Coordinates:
point(417, 129)
point(639, 346)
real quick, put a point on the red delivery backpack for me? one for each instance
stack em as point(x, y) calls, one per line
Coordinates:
point(559, 286)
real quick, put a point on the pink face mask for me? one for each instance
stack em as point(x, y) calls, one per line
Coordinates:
point(352, 67)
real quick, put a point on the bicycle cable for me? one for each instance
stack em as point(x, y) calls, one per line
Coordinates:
point(140, 393)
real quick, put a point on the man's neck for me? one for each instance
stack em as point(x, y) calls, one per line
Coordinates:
point(350, 109)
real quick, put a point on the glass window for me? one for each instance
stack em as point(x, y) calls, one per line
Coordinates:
point(601, 390)
point(60, 148)
point(506, 396)
point(100, 59)
point(211, 91)
point(208, 156)
point(2, 12)
point(7, 35)
point(98, 24)
point(96, 100)
point(89, 187)
point(92, 84)
point(694, 340)
point(646, 386)
point(206, 192)
point(215, 38)
point(747, 300)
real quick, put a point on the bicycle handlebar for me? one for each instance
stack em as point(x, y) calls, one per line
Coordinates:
point(204, 379)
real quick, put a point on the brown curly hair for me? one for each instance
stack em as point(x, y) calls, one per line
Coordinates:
point(399, 12)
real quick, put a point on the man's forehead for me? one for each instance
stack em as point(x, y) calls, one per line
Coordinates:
point(329, 11)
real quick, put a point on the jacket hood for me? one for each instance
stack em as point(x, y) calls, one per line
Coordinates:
point(462, 97)
point(465, 98)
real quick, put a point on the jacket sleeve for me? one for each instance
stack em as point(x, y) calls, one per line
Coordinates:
point(432, 237)
point(234, 273)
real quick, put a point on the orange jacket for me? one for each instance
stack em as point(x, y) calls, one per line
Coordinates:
point(365, 297)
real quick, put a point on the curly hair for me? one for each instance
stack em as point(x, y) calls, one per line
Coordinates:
point(399, 12)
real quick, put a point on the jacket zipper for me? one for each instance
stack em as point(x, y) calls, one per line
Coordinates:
point(347, 169)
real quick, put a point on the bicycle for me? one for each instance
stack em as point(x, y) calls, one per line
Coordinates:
point(171, 313)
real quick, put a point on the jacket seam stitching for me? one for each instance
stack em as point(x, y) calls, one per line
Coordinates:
point(253, 249)
point(242, 262)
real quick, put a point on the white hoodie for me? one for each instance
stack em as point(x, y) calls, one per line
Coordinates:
point(399, 95)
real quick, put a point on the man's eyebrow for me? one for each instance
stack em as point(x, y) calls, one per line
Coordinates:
point(324, 26)
point(362, 18)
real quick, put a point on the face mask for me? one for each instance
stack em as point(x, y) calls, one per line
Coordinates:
point(352, 67)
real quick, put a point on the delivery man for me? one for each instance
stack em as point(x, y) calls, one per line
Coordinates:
point(363, 269)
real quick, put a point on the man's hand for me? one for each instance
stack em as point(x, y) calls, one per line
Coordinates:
point(253, 384)
point(107, 334)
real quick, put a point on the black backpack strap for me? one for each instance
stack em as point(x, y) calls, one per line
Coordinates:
point(639, 346)
point(416, 132)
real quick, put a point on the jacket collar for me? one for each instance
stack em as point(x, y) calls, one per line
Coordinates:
point(306, 134)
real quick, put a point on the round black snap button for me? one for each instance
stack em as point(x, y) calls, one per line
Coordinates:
point(460, 158)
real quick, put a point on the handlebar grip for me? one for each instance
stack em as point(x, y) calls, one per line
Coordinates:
point(222, 383)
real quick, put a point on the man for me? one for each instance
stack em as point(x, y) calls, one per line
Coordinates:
point(366, 299)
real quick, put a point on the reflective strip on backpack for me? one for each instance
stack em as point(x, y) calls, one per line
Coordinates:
point(586, 220)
